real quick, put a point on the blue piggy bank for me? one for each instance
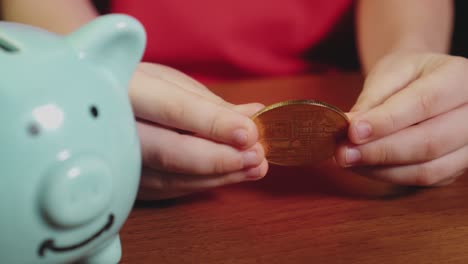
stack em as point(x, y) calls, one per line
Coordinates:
point(69, 153)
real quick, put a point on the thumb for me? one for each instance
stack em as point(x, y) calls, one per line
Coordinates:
point(390, 75)
point(248, 109)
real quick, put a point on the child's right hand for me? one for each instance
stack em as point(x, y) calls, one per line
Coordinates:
point(191, 139)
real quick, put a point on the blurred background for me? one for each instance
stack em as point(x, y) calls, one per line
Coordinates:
point(339, 48)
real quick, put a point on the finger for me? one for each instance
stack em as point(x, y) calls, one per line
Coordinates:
point(351, 115)
point(426, 141)
point(155, 185)
point(449, 180)
point(184, 81)
point(421, 174)
point(422, 99)
point(179, 79)
point(388, 77)
point(248, 109)
point(174, 107)
point(168, 150)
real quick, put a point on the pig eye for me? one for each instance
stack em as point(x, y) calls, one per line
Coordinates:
point(33, 129)
point(93, 110)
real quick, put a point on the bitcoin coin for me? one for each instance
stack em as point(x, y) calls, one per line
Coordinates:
point(300, 132)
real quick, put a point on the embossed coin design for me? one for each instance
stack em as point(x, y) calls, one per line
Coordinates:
point(300, 132)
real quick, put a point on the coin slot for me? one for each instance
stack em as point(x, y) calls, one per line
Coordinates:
point(7, 46)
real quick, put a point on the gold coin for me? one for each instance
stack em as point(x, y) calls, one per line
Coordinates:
point(300, 132)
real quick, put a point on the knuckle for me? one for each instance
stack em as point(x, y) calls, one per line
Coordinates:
point(392, 121)
point(225, 162)
point(383, 154)
point(166, 161)
point(169, 159)
point(214, 126)
point(430, 148)
point(388, 155)
point(252, 131)
point(155, 180)
point(426, 103)
point(153, 158)
point(237, 163)
point(173, 113)
point(220, 165)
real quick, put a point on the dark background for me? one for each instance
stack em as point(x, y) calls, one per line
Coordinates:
point(460, 37)
point(339, 48)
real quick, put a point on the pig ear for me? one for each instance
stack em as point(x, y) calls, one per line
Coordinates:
point(113, 43)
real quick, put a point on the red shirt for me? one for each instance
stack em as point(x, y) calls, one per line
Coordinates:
point(231, 39)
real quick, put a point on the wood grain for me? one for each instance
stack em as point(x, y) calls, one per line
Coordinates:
point(321, 214)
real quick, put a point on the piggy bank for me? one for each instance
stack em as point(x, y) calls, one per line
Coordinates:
point(69, 152)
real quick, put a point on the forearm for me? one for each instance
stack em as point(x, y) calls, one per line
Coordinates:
point(385, 26)
point(60, 16)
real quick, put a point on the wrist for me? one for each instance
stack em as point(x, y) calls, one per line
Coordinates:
point(413, 45)
point(403, 46)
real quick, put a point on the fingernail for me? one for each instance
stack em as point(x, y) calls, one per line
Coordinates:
point(250, 158)
point(240, 137)
point(253, 174)
point(362, 129)
point(352, 156)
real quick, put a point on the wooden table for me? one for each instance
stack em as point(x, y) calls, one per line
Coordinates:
point(321, 214)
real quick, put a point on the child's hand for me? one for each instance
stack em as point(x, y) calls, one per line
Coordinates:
point(191, 139)
point(410, 123)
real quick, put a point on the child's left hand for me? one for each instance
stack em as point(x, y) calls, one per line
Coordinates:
point(410, 124)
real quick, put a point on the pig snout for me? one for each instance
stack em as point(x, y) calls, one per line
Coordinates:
point(76, 191)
